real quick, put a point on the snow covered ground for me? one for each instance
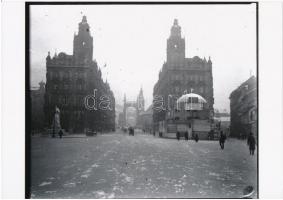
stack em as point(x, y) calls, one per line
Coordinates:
point(141, 166)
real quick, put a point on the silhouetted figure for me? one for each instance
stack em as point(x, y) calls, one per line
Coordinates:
point(186, 135)
point(251, 143)
point(196, 137)
point(131, 131)
point(60, 133)
point(222, 140)
point(178, 135)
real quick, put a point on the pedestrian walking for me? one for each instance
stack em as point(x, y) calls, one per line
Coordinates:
point(251, 143)
point(222, 140)
point(130, 130)
point(196, 137)
point(60, 133)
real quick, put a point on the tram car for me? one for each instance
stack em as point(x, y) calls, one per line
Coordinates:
point(190, 118)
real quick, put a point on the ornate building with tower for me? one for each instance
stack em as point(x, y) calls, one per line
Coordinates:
point(74, 84)
point(181, 75)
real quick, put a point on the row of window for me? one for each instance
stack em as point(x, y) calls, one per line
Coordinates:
point(69, 87)
point(201, 90)
point(67, 75)
point(187, 78)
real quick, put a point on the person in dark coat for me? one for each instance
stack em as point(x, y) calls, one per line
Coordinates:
point(222, 139)
point(130, 130)
point(196, 137)
point(178, 135)
point(251, 142)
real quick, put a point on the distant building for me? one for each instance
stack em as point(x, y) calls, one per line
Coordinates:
point(243, 107)
point(180, 74)
point(131, 117)
point(118, 113)
point(74, 84)
point(37, 102)
point(145, 119)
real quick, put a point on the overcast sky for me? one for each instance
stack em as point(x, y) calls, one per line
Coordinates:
point(131, 40)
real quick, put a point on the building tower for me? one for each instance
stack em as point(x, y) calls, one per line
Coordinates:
point(140, 101)
point(70, 80)
point(83, 43)
point(175, 45)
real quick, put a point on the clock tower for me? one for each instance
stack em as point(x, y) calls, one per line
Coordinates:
point(175, 45)
point(83, 43)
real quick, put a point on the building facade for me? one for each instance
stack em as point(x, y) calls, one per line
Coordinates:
point(145, 120)
point(243, 108)
point(180, 74)
point(74, 84)
point(37, 102)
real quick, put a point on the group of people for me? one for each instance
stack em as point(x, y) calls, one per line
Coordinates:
point(251, 142)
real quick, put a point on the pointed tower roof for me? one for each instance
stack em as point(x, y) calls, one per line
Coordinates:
point(209, 61)
point(175, 22)
point(175, 29)
point(141, 90)
point(84, 20)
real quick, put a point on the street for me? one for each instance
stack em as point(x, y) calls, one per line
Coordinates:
point(117, 165)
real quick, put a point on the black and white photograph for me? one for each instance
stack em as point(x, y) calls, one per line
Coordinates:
point(143, 100)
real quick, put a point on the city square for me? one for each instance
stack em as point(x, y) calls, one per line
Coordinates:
point(116, 165)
